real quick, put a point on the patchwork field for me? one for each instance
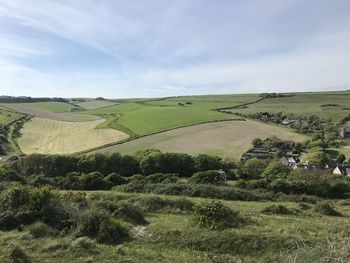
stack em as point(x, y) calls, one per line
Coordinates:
point(95, 104)
point(7, 116)
point(52, 106)
point(227, 139)
point(58, 137)
point(48, 112)
point(333, 106)
point(155, 115)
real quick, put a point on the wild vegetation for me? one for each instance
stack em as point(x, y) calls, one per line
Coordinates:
point(181, 206)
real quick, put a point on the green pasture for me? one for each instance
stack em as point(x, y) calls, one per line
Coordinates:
point(305, 104)
point(51, 106)
point(7, 116)
point(148, 116)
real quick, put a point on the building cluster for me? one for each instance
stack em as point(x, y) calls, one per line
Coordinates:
point(336, 168)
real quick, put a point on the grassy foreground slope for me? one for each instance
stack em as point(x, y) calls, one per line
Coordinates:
point(227, 138)
point(58, 137)
point(327, 105)
point(170, 235)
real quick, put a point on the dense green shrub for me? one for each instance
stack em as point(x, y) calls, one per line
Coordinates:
point(178, 163)
point(115, 179)
point(22, 205)
point(100, 225)
point(215, 215)
point(17, 255)
point(206, 162)
point(124, 210)
point(39, 229)
point(209, 177)
point(84, 243)
point(327, 208)
point(200, 190)
point(94, 181)
point(276, 170)
point(278, 210)
point(156, 203)
point(10, 175)
point(161, 178)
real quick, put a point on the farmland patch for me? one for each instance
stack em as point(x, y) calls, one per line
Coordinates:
point(57, 137)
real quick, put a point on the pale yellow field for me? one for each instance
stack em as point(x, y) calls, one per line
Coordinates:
point(60, 137)
point(227, 139)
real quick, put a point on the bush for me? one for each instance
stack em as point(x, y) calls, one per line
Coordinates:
point(161, 178)
point(115, 179)
point(130, 212)
point(209, 177)
point(94, 181)
point(215, 215)
point(326, 208)
point(17, 255)
point(278, 210)
point(123, 210)
point(205, 162)
point(39, 229)
point(20, 205)
point(84, 243)
point(100, 225)
point(155, 203)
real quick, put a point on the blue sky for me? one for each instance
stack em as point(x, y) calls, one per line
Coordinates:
point(155, 48)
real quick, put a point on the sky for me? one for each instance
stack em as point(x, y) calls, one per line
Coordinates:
point(157, 48)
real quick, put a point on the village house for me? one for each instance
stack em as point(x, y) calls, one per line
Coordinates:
point(288, 161)
point(342, 169)
point(306, 166)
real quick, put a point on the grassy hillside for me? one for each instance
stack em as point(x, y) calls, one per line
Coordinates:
point(227, 139)
point(52, 106)
point(7, 116)
point(334, 106)
point(57, 137)
point(149, 116)
point(95, 104)
point(170, 235)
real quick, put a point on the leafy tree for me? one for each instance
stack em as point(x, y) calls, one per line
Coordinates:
point(276, 170)
point(318, 157)
point(257, 142)
point(94, 181)
point(253, 168)
point(341, 158)
point(205, 162)
point(209, 177)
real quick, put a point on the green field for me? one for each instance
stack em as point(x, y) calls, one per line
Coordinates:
point(95, 104)
point(7, 116)
point(305, 104)
point(140, 117)
point(157, 115)
point(51, 106)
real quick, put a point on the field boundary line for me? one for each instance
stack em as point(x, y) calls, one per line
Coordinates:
point(153, 133)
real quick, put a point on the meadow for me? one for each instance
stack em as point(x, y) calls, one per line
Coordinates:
point(171, 235)
point(333, 106)
point(41, 135)
point(143, 117)
point(223, 138)
point(7, 116)
point(95, 104)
